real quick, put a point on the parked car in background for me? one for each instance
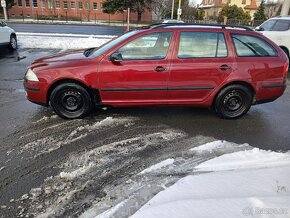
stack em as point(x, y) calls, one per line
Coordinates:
point(227, 68)
point(278, 30)
point(7, 36)
point(172, 21)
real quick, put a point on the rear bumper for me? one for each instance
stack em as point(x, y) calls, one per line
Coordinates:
point(36, 92)
point(269, 93)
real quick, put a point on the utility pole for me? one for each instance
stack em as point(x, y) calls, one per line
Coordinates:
point(172, 10)
point(285, 8)
point(3, 4)
point(179, 11)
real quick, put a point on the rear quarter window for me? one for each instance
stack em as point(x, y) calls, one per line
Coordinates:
point(252, 46)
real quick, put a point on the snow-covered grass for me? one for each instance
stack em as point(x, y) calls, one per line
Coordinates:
point(60, 41)
point(251, 183)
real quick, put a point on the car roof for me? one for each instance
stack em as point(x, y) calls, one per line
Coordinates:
point(280, 18)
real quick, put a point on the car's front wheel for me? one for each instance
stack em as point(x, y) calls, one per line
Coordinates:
point(13, 42)
point(70, 100)
point(233, 101)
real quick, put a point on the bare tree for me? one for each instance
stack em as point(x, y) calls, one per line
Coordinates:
point(160, 7)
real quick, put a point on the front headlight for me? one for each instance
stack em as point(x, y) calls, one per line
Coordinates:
point(30, 75)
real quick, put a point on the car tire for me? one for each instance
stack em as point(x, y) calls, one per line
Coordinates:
point(233, 101)
point(13, 42)
point(286, 52)
point(71, 101)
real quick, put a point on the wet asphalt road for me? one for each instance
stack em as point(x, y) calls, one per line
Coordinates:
point(67, 29)
point(36, 145)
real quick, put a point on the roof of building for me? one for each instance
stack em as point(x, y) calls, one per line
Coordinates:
point(212, 3)
point(252, 6)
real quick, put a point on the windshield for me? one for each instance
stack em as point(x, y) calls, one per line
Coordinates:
point(97, 51)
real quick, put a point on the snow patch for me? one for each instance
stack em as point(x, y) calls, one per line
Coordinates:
point(63, 43)
point(111, 212)
point(255, 158)
point(158, 166)
point(78, 172)
point(261, 188)
point(216, 145)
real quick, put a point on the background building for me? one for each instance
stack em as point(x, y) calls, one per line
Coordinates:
point(71, 9)
point(213, 7)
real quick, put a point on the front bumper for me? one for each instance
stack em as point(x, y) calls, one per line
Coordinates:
point(36, 92)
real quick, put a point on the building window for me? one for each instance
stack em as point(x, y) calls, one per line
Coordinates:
point(244, 2)
point(42, 3)
point(27, 3)
point(72, 4)
point(95, 5)
point(57, 4)
point(88, 6)
point(65, 4)
point(19, 2)
point(49, 4)
point(34, 3)
point(80, 5)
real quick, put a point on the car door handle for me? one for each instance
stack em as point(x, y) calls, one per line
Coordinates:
point(225, 67)
point(160, 69)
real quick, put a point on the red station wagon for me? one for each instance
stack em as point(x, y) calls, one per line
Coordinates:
point(228, 68)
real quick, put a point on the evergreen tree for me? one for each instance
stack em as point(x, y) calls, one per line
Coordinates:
point(114, 6)
point(233, 12)
point(260, 13)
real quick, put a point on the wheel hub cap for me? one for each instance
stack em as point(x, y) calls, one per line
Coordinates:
point(233, 101)
point(71, 100)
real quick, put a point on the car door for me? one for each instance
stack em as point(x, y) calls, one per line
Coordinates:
point(4, 34)
point(142, 73)
point(200, 64)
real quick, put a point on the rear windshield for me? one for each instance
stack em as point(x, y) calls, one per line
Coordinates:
point(252, 46)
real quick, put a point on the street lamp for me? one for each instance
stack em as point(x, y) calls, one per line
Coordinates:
point(172, 9)
point(3, 4)
point(179, 11)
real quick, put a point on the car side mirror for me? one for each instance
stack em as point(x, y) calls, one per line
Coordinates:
point(2, 23)
point(116, 57)
point(259, 28)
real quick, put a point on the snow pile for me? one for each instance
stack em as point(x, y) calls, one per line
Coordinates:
point(254, 158)
point(54, 41)
point(158, 166)
point(216, 146)
point(247, 183)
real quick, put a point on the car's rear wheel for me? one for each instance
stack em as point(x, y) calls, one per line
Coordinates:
point(13, 42)
point(70, 100)
point(233, 101)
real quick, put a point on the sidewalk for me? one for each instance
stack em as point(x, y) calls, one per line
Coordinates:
point(88, 23)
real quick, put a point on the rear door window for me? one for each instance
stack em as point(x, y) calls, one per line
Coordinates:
point(251, 46)
point(202, 45)
point(281, 25)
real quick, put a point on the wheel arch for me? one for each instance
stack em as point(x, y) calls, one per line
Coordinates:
point(243, 83)
point(13, 34)
point(285, 49)
point(94, 93)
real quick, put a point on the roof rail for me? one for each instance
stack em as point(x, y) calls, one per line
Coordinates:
point(162, 25)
